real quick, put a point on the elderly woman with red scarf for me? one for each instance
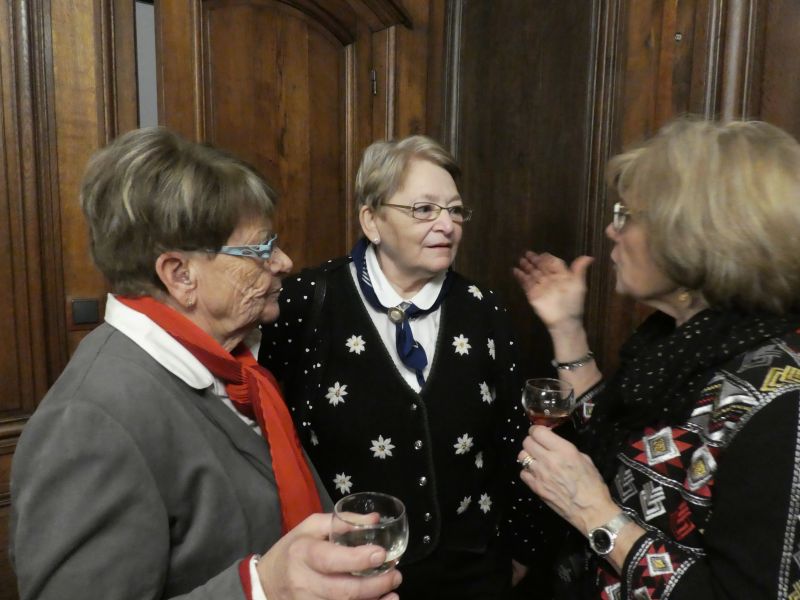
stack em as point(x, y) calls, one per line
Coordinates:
point(163, 461)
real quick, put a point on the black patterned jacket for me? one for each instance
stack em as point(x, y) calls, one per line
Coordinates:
point(719, 495)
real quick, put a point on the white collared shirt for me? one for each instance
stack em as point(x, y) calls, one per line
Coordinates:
point(425, 328)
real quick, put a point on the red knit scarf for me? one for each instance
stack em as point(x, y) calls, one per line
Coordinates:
point(254, 392)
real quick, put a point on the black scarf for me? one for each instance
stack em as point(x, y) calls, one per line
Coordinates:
point(664, 368)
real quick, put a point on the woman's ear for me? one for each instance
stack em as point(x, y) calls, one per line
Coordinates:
point(366, 216)
point(174, 271)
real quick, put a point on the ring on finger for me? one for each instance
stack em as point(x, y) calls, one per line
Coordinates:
point(527, 461)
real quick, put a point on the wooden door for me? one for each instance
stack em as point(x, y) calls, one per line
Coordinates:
point(291, 87)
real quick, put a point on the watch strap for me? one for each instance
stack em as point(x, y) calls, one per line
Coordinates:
point(616, 524)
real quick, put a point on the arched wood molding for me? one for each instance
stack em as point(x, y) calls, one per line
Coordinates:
point(379, 14)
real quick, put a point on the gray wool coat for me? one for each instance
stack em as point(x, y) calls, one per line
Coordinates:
point(129, 484)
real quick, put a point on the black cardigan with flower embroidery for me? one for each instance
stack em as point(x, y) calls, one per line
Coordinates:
point(448, 452)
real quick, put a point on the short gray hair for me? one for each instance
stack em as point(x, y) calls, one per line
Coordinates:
point(384, 165)
point(721, 205)
point(151, 190)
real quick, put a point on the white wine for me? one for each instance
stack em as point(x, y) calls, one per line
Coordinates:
point(394, 540)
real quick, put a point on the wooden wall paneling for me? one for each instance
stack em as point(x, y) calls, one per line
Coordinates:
point(414, 68)
point(22, 308)
point(523, 143)
point(451, 73)
point(94, 101)
point(383, 85)
point(604, 308)
point(408, 59)
point(288, 113)
point(741, 64)
point(179, 77)
point(285, 84)
point(26, 352)
point(667, 67)
point(437, 71)
point(60, 68)
point(706, 44)
point(359, 110)
point(777, 91)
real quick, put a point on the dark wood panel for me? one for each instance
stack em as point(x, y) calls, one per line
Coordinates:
point(8, 440)
point(522, 142)
point(658, 75)
point(287, 116)
point(779, 94)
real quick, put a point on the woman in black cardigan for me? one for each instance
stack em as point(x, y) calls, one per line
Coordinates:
point(403, 380)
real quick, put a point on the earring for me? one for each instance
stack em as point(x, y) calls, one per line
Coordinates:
point(376, 241)
point(190, 303)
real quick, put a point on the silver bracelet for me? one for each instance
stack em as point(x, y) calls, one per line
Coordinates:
point(575, 364)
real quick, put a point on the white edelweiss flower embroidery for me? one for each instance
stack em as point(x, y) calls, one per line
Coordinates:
point(464, 504)
point(473, 289)
point(486, 393)
point(382, 448)
point(461, 344)
point(485, 503)
point(336, 393)
point(314, 439)
point(463, 444)
point(490, 344)
point(479, 460)
point(355, 343)
point(343, 483)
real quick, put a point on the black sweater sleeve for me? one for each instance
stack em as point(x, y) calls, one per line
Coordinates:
point(751, 541)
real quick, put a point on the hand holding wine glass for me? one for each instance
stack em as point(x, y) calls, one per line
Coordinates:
point(547, 401)
point(371, 518)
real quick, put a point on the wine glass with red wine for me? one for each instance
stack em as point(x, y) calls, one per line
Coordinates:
point(547, 401)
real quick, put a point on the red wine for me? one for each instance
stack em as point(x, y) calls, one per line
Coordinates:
point(550, 418)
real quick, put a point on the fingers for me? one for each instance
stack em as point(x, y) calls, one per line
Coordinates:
point(524, 459)
point(305, 564)
point(330, 558)
point(366, 588)
point(580, 265)
point(331, 567)
point(317, 526)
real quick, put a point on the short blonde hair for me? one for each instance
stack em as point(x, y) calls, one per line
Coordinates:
point(150, 191)
point(721, 206)
point(384, 165)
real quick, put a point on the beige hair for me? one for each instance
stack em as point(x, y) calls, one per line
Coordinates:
point(384, 165)
point(721, 206)
point(150, 191)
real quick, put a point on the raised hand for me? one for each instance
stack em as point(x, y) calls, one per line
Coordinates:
point(555, 291)
point(304, 565)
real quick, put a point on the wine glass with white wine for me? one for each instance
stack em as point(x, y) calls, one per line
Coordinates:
point(371, 518)
point(548, 401)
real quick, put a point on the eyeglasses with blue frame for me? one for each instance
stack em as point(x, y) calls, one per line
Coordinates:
point(260, 251)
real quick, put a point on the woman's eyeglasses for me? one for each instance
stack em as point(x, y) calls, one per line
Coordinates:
point(621, 214)
point(428, 211)
point(260, 251)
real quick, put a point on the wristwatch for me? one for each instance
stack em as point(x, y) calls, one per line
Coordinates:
point(603, 538)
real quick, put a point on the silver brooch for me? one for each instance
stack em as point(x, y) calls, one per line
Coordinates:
point(396, 314)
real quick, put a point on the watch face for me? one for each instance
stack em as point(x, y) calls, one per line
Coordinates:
point(600, 541)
